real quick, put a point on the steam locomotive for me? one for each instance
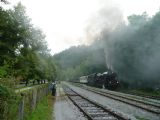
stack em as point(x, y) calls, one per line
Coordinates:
point(108, 80)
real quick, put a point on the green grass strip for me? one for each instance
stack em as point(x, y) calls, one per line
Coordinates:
point(44, 110)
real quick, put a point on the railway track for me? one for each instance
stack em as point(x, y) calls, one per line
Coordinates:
point(92, 110)
point(128, 93)
point(150, 107)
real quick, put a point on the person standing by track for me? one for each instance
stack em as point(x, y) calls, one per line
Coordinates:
point(53, 88)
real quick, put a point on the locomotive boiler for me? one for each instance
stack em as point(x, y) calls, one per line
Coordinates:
point(108, 80)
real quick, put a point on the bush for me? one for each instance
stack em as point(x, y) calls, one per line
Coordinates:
point(8, 103)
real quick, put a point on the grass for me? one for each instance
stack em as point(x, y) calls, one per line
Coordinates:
point(139, 118)
point(145, 92)
point(24, 88)
point(44, 110)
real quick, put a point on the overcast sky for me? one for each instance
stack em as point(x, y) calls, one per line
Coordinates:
point(65, 21)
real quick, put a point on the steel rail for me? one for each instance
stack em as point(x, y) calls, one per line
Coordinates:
point(111, 96)
point(119, 117)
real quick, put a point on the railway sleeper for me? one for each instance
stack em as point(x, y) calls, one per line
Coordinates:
point(105, 118)
point(99, 115)
point(95, 111)
point(86, 105)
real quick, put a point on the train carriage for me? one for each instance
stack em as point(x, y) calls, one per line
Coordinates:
point(83, 79)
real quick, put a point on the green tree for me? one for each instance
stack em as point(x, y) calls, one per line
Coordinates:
point(24, 53)
point(138, 20)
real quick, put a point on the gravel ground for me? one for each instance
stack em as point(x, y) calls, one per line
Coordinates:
point(146, 100)
point(65, 109)
point(120, 107)
point(140, 98)
point(119, 97)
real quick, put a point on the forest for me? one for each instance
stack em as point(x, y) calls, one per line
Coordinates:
point(25, 60)
point(131, 50)
point(24, 54)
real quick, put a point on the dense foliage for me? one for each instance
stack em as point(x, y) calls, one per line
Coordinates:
point(134, 51)
point(24, 55)
point(79, 61)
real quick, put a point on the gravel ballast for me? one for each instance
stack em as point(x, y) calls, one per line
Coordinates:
point(65, 109)
point(120, 107)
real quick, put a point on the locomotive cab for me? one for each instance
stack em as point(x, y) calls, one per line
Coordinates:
point(110, 80)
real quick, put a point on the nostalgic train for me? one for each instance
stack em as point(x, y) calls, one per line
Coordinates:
point(108, 80)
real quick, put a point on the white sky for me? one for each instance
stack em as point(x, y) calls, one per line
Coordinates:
point(64, 21)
